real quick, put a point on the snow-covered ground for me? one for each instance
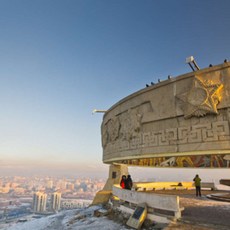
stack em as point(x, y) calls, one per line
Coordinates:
point(80, 219)
point(84, 219)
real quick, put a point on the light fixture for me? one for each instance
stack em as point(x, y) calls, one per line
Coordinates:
point(191, 61)
point(98, 111)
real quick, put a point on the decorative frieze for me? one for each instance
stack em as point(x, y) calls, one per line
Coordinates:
point(202, 98)
point(202, 133)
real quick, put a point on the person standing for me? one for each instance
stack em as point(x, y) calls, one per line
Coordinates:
point(197, 181)
point(129, 183)
point(123, 181)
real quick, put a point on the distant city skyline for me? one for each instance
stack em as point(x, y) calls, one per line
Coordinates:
point(62, 59)
point(137, 173)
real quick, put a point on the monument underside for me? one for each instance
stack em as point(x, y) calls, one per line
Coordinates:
point(180, 122)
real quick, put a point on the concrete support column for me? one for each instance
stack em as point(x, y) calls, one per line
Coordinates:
point(115, 173)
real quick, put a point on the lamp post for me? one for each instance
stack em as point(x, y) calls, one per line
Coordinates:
point(98, 111)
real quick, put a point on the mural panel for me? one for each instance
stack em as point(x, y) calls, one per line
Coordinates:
point(201, 161)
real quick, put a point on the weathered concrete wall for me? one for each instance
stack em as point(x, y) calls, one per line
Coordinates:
point(182, 122)
point(157, 201)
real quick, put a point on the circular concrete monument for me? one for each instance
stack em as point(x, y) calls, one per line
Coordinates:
point(180, 122)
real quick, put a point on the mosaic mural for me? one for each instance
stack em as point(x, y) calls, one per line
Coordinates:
point(202, 161)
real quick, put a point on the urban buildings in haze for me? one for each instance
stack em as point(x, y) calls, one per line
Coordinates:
point(55, 201)
point(39, 202)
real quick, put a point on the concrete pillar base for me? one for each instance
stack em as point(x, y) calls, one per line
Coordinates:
point(115, 174)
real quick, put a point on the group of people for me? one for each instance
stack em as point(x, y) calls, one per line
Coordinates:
point(126, 182)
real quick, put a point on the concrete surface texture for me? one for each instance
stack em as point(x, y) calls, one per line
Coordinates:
point(202, 213)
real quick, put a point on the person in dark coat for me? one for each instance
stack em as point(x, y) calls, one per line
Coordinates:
point(128, 183)
point(197, 181)
point(123, 181)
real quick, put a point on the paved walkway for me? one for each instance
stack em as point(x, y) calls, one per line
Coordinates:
point(201, 213)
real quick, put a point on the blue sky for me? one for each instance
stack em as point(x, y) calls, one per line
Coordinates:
point(61, 59)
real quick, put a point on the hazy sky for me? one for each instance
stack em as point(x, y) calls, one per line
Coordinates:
point(60, 59)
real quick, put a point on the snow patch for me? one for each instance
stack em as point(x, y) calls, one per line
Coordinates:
point(81, 219)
